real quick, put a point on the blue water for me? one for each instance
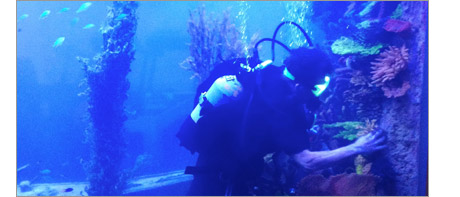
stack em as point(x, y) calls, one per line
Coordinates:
point(52, 117)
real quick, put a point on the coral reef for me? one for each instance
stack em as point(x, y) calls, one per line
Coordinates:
point(338, 185)
point(401, 117)
point(107, 87)
point(212, 41)
point(396, 26)
point(364, 83)
point(386, 68)
point(345, 45)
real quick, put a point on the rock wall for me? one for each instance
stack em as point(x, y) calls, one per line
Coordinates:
point(401, 116)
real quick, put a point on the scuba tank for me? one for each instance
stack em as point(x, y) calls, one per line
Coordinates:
point(244, 68)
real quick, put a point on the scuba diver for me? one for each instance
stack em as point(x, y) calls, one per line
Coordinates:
point(249, 108)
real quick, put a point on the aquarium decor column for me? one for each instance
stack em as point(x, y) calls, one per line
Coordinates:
point(107, 87)
point(401, 116)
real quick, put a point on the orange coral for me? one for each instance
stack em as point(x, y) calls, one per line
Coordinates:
point(392, 62)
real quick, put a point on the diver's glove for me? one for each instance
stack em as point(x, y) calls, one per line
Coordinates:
point(222, 91)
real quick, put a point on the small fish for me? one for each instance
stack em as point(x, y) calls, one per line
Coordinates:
point(46, 171)
point(88, 26)
point(22, 17)
point(19, 29)
point(67, 189)
point(75, 21)
point(63, 10)
point(23, 167)
point(121, 17)
point(84, 7)
point(45, 14)
point(57, 43)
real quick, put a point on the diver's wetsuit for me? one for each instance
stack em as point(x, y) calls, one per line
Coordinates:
point(232, 139)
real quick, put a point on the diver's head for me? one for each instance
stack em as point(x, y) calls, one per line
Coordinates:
point(308, 69)
point(308, 66)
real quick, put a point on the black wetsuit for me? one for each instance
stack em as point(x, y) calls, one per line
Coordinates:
point(232, 139)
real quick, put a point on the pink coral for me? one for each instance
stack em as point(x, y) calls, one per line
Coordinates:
point(391, 62)
point(396, 91)
point(338, 185)
point(397, 26)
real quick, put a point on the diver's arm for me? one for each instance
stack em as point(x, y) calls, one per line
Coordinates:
point(321, 159)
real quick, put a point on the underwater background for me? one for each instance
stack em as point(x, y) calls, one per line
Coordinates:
point(379, 50)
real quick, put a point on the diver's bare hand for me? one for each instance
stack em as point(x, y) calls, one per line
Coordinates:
point(369, 143)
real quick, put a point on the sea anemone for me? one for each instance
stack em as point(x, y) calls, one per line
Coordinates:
point(387, 67)
point(392, 62)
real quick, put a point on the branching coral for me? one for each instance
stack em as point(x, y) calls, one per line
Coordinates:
point(367, 128)
point(212, 41)
point(352, 129)
point(391, 63)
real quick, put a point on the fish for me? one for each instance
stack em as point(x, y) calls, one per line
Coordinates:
point(45, 171)
point(23, 167)
point(22, 17)
point(45, 14)
point(75, 20)
point(67, 189)
point(19, 29)
point(63, 10)
point(83, 7)
point(88, 26)
point(121, 17)
point(57, 43)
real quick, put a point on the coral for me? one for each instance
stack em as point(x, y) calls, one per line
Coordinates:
point(397, 26)
point(351, 129)
point(212, 41)
point(367, 128)
point(338, 185)
point(345, 45)
point(365, 24)
point(368, 8)
point(353, 185)
point(397, 13)
point(359, 79)
point(391, 62)
point(107, 91)
point(313, 185)
point(394, 92)
point(362, 165)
